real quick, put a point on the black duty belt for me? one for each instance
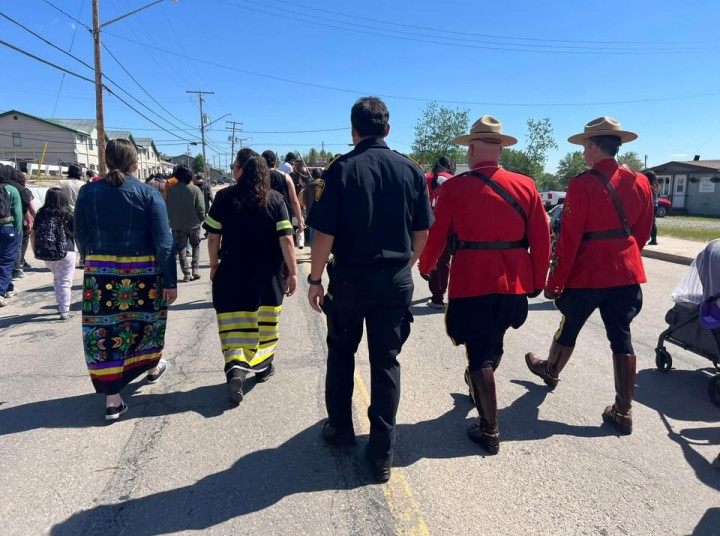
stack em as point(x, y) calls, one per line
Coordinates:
point(623, 232)
point(493, 245)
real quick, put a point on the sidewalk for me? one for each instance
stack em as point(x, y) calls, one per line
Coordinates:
point(674, 250)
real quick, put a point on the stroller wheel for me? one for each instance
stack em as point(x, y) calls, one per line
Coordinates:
point(663, 360)
point(714, 390)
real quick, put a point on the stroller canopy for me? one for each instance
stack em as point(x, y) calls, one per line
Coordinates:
point(702, 280)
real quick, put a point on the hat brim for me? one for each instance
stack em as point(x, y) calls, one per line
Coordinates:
point(624, 135)
point(504, 139)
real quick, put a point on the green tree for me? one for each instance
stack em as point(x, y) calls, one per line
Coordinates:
point(435, 132)
point(198, 164)
point(548, 181)
point(311, 157)
point(516, 160)
point(632, 160)
point(540, 140)
point(571, 164)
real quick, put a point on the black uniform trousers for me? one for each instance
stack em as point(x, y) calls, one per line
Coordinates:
point(379, 295)
point(480, 323)
point(618, 307)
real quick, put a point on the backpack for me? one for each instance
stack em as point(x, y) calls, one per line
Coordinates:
point(50, 238)
point(5, 212)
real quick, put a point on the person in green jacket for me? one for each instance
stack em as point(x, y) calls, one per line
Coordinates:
point(10, 229)
point(186, 211)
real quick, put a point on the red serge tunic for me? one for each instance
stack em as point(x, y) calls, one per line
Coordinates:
point(589, 207)
point(434, 194)
point(474, 212)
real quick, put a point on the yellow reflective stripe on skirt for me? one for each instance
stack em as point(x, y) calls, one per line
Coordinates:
point(144, 258)
point(252, 358)
point(282, 225)
point(210, 222)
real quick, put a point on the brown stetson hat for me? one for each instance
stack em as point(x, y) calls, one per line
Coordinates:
point(603, 126)
point(486, 128)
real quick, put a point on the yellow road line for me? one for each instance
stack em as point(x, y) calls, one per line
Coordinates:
point(398, 492)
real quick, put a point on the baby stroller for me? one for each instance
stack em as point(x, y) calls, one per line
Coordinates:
point(694, 320)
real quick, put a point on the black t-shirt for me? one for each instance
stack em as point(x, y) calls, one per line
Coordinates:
point(371, 200)
point(249, 234)
point(278, 182)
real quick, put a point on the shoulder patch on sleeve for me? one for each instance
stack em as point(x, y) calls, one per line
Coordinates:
point(332, 162)
point(319, 189)
point(406, 156)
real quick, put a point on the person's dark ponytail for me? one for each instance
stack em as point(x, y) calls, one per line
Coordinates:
point(121, 158)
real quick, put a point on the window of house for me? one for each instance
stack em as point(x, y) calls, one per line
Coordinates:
point(17, 139)
point(92, 166)
point(90, 143)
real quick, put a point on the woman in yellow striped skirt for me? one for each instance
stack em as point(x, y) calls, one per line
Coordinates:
point(250, 237)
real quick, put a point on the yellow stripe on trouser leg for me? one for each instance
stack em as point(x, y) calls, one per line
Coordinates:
point(558, 333)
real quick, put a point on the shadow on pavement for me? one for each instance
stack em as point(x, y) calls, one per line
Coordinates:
point(192, 306)
point(254, 482)
point(709, 524)
point(85, 411)
point(681, 395)
point(542, 306)
point(29, 318)
point(49, 288)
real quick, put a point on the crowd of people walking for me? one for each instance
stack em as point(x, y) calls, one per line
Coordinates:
point(375, 214)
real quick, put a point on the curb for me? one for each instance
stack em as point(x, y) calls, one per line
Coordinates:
point(668, 257)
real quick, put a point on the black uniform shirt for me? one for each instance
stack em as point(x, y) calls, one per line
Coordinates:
point(371, 200)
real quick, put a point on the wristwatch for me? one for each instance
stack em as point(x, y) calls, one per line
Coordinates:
point(312, 281)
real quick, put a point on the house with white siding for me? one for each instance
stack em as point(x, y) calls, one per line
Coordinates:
point(26, 139)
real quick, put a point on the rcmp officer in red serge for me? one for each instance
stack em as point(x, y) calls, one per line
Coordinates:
point(372, 211)
point(492, 217)
point(607, 217)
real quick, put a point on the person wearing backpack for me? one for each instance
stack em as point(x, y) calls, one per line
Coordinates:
point(10, 228)
point(52, 241)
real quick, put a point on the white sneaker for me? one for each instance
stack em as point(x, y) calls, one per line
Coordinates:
point(11, 293)
point(3, 303)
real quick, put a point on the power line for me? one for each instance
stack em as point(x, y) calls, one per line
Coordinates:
point(72, 42)
point(89, 67)
point(109, 90)
point(141, 87)
point(455, 41)
point(81, 23)
point(417, 99)
point(490, 36)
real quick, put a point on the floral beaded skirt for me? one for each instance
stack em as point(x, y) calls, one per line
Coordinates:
point(123, 319)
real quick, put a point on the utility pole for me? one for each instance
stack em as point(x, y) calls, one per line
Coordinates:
point(232, 136)
point(202, 123)
point(99, 113)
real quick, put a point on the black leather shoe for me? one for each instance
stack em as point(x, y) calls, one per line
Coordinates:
point(235, 386)
point(380, 468)
point(337, 438)
point(264, 376)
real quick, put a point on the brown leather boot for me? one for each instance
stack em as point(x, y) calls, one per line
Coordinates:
point(496, 363)
point(486, 433)
point(549, 370)
point(620, 413)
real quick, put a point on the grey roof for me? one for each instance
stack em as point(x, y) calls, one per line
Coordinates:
point(714, 164)
point(709, 165)
point(118, 134)
point(81, 125)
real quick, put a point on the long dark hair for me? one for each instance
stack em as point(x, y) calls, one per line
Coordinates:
point(254, 184)
point(57, 205)
point(121, 157)
point(444, 164)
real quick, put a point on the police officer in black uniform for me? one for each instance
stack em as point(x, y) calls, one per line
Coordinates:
point(372, 212)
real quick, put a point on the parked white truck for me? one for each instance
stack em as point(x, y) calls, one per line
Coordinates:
point(552, 199)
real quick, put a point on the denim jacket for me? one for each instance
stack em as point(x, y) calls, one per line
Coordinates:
point(129, 220)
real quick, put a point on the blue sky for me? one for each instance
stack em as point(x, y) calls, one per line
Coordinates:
point(649, 64)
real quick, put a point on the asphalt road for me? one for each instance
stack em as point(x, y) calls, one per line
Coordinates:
point(182, 459)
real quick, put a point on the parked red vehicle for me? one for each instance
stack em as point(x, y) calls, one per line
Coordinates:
point(664, 208)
